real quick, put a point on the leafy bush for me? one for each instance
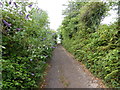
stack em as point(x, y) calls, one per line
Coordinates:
point(28, 43)
point(94, 44)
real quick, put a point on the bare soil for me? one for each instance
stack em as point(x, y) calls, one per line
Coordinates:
point(66, 72)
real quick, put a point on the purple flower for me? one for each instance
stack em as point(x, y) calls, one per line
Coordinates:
point(1, 4)
point(39, 36)
point(27, 16)
point(30, 6)
point(20, 13)
point(18, 29)
point(7, 30)
point(10, 1)
point(53, 33)
point(48, 32)
point(43, 38)
point(31, 59)
point(32, 74)
point(15, 4)
point(53, 47)
point(6, 23)
point(46, 56)
point(38, 8)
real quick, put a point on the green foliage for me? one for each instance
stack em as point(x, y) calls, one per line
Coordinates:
point(94, 44)
point(92, 13)
point(27, 44)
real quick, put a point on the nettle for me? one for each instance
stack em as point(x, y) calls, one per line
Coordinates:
point(28, 42)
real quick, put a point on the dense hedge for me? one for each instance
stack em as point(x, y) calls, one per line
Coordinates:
point(27, 44)
point(94, 44)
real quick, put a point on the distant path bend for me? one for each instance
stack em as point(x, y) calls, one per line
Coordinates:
point(66, 72)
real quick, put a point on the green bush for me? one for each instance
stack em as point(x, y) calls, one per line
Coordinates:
point(94, 44)
point(28, 43)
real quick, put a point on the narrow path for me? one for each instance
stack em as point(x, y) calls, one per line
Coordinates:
point(65, 72)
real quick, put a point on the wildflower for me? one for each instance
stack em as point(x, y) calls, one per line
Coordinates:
point(18, 29)
point(39, 36)
point(31, 59)
point(43, 38)
point(10, 1)
point(46, 56)
point(48, 32)
point(38, 8)
point(53, 47)
point(6, 23)
point(27, 16)
point(53, 33)
point(32, 74)
point(30, 6)
point(20, 13)
point(7, 30)
point(1, 4)
point(15, 4)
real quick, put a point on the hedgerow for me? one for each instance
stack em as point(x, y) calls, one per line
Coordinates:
point(27, 43)
point(94, 44)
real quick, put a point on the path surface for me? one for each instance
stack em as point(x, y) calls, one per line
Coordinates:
point(66, 72)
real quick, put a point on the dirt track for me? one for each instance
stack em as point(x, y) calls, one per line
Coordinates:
point(66, 72)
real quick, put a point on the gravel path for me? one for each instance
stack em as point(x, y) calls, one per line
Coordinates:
point(66, 72)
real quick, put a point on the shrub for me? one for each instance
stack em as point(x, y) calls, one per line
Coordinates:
point(27, 42)
point(94, 44)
